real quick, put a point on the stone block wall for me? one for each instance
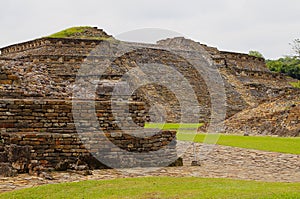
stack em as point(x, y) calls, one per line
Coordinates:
point(244, 61)
point(46, 45)
point(33, 151)
point(47, 130)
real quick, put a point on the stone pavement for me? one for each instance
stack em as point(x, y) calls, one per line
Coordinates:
point(220, 162)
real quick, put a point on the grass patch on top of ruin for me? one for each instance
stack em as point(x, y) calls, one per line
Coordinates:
point(74, 32)
point(161, 187)
point(69, 32)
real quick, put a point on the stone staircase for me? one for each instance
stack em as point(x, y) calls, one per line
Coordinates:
point(239, 87)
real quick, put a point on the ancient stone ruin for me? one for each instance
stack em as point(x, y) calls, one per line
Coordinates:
point(40, 125)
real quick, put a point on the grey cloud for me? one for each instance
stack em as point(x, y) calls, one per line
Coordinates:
point(242, 25)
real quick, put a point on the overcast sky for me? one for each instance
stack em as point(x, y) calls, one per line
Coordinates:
point(233, 25)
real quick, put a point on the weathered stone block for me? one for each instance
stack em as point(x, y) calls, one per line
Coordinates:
point(7, 170)
point(3, 77)
point(19, 157)
point(12, 77)
point(3, 157)
point(5, 81)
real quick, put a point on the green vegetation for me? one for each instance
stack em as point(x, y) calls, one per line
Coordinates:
point(263, 143)
point(186, 132)
point(172, 126)
point(287, 65)
point(256, 54)
point(69, 32)
point(189, 130)
point(295, 84)
point(161, 187)
point(73, 33)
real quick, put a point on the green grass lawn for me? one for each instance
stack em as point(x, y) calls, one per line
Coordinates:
point(289, 145)
point(161, 187)
point(264, 143)
point(172, 126)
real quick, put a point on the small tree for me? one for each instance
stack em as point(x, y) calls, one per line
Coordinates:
point(256, 54)
point(296, 47)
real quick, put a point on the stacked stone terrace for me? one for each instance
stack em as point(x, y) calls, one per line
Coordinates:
point(37, 83)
